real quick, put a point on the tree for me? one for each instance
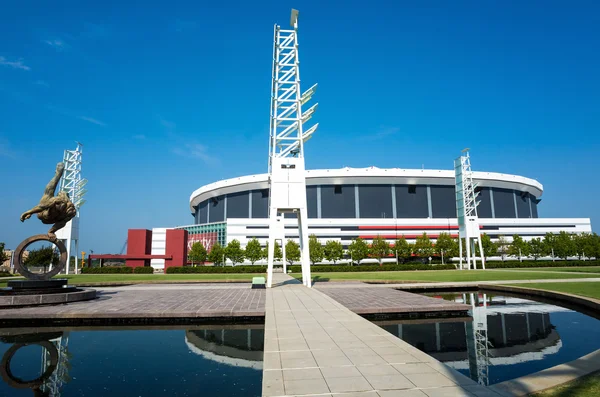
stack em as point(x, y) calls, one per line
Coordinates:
point(536, 248)
point(379, 249)
point(292, 252)
point(277, 254)
point(489, 248)
point(502, 247)
point(234, 252)
point(315, 249)
point(443, 245)
point(43, 256)
point(253, 251)
point(216, 254)
point(518, 247)
point(584, 244)
point(594, 246)
point(358, 250)
point(197, 253)
point(423, 246)
point(549, 242)
point(564, 245)
point(3, 256)
point(333, 251)
point(402, 248)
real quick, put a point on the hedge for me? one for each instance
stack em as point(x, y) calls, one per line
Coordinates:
point(371, 268)
point(530, 263)
point(143, 270)
point(216, 269)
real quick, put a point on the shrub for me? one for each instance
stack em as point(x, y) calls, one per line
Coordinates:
point(143, 270)
point(216, 269)
point(371, 268)
point(107, 270)
point(525, 264)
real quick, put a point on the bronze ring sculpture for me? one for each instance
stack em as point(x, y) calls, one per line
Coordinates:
point(20, 267)
point(17, 383)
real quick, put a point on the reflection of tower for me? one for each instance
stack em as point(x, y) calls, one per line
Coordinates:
point(53, 385)
point(73, 184)
point(466, 210)
point(235, 347)
point(477, 341)
point(287, 179)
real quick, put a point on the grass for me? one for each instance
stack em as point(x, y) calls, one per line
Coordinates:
point(444, 275)
point(589, 269)
point(586, 386)
point(588, 289)
point(90, 279)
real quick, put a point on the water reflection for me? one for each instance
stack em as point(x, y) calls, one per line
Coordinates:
point(506, 338)
point(54, 362)
point(218, 361)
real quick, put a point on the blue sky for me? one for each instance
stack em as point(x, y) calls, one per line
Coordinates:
point(169, 96)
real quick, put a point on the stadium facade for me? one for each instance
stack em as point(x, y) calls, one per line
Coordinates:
point(347, 203)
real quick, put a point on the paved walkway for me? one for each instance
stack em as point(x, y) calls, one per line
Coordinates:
point(316, 346)
point(154, 301)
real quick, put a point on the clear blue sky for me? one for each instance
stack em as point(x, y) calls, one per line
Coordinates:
point(169, 97)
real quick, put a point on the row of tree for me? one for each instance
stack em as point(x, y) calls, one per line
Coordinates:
point(562, 245)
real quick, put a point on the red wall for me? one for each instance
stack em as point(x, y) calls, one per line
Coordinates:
point(177, 247)
point(139, 242)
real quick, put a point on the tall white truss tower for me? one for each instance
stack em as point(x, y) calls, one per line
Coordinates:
point(286, 145)
point(54, 384)
point(73, 184)
point(466, 211)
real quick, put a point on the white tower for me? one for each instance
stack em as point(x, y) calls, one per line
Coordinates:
point(286, 145)
point(73, 184)
point(466, 210)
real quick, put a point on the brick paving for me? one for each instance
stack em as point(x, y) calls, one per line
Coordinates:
point(148, 302)
point(314, 345)
point(388, 300)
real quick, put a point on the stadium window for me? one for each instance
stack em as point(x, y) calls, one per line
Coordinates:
point(264, 193)
point(412, 189)
point(214, 201)
point(337, 189)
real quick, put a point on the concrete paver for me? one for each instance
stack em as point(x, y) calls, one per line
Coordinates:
point(335, 351)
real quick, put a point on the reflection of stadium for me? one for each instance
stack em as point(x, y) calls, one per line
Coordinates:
point(516, 331)
point(236, 347)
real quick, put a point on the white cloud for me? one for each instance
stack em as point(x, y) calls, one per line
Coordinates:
point(197, 151)
point(139, 137)
point(18, 64)
point(184, 26)
point(169, 125)
point(42, 83)
point(57, 44)
point(91, 120)
point(384, 132)
point(6, 150)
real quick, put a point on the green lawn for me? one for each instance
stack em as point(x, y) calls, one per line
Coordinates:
point(150, 278)
point(444, 275)
point(583, 269)
point(588, 386)
point(589, 289)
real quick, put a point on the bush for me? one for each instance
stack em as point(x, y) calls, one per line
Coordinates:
point(143, 270)
point(5, 274)
point(107, 270)
point(371, 268)
point(529, 263)
point(216, 269)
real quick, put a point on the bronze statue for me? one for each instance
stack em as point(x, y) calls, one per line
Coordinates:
point(57, 210)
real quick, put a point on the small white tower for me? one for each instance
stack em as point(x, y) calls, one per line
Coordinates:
point(286, 145)
point(73, 184)
point(466, 210)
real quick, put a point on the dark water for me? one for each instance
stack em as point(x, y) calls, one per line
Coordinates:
point(197, 362)
point(523, 337)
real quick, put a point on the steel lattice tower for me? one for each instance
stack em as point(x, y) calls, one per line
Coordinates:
point(73, 184)
point(466, 210)
point(287, 181)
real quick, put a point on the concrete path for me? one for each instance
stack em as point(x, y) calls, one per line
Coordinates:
point(316, 346)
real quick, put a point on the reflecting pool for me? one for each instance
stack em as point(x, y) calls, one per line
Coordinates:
point(508, 337)
point(134, 362)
